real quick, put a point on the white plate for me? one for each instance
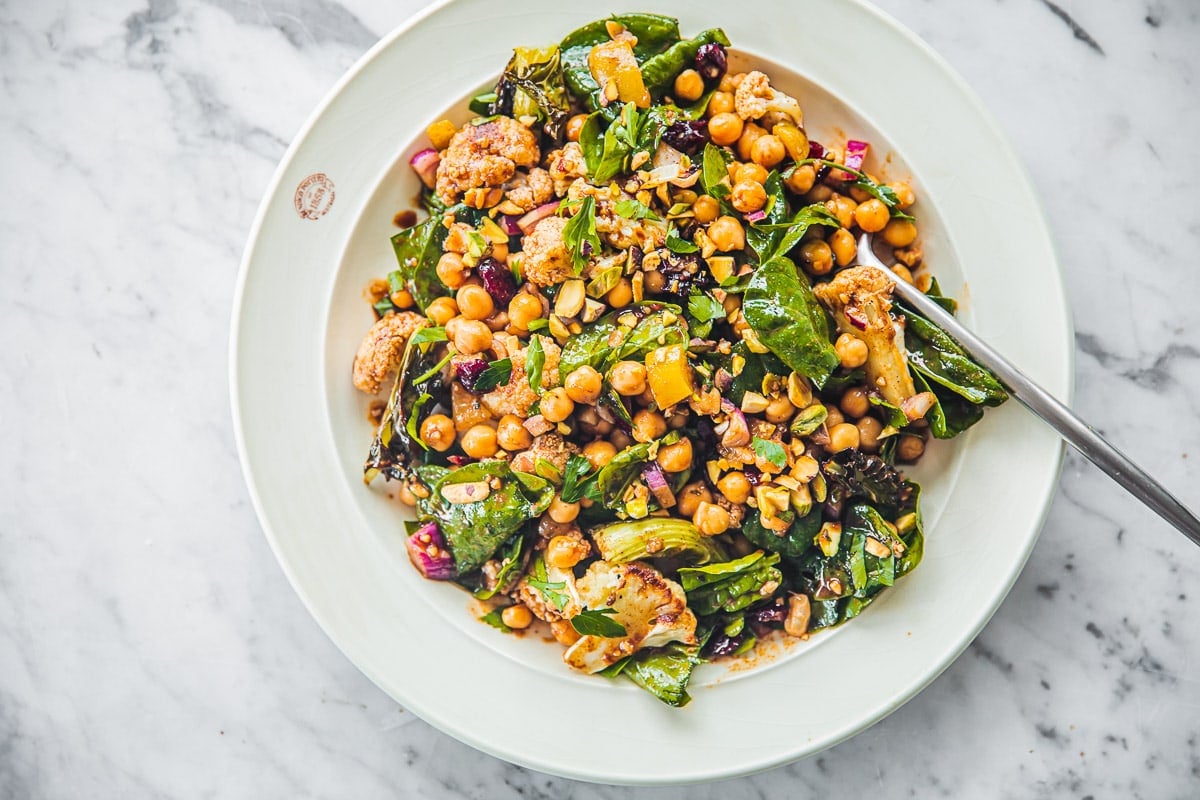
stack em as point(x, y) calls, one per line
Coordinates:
point(322, 232)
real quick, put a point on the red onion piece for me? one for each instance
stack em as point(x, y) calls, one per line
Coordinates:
point(856, 319)
point(737, 430)
point(856, 153)
point(755, 216)
point(425, 164)
point(652, 474)
point(918, 405)
point(509, 223)
point(429, 553)
point(526, 223)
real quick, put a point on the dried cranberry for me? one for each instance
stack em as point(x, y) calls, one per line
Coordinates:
point(469, 371)
point(815, 149)
point(711, 61)
point(497, 279)
point(722, 645)
point(687, 136)
point(773, 613)
point(753, 476)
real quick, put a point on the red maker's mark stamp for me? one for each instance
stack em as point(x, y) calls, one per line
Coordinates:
point(314, 196)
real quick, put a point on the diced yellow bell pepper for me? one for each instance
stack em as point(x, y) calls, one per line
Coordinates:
point(440, 133)
point(617, 73)
point(670, 374)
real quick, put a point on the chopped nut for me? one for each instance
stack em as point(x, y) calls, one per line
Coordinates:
point(470, 492)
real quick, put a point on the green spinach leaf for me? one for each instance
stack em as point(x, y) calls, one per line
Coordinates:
point(665, 672)
point(654, 33)
point(580, 235)
point(659, 72)
point(597, 622)
point(535, 360)
point(794, 542)
point(779, 305)
point(939, 358)
point(417, 251)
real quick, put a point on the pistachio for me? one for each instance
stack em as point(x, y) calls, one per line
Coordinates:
point(799, 390)
point(592, 310)
point(877, 548)
point(802, 502)
point(828, 538)
point(558, 329)
point(808, 420)
point(754, 403)
point(570, 299)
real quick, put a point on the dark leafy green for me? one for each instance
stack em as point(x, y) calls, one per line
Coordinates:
point(729, 586)
point(853, 473)
point(665, 672)
point(608, 154)
point(396, 446)
point(659, 72)
point(763, 237)
point(654, 33)
point(938, 357)
point(540, 91)
point(952, 414)
point(794, 542)
point(616, 475)
point(495, 619)
point(417, 251)
point(511, 561)
point(714, 171)
point(474, 530)
point(779, 305)
point(535, 360)
point(608, 340)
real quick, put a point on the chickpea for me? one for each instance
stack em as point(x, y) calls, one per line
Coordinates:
point(780, 409)
point(735, 486)
point(564, 633)
point(516, 617)
point(620, 439)
point(689, 85)
point(648, 425)
point(802, 179)
point(575, 126)
point(599, 453)
point(725, 128)
point(563, 512)
point(750, 172)
point(871, 215)
point(442, 310)
point(817, 257)
point(751, 133)
point(748, 196)
point(583, 385)
point(437, 431)
point(841, 207)
point(767, 150)
point(842, 437)
point(452, 327)
point(720, 103)
point(854, 402)
point(523, 309)
point(834, 417)
point(706, 209)
point(904, 194)
point(472, 336)
point(628, 378)
point(676, 457)
point(512, 435)
point(819, 193)
point(654, 281)
point(903, 272)
point(479, 441)
point(451, 270)
point(851, 351)
point(691, 496)
point(377, 289)
point(474, 302)
point(402, 299)
point(710, 519)
point(900, 233)
point(645, 398)
point(727, 84)
point(620, 295)
point(497, 321)
point(910, 448)
point(844, 248)
point(869, 429)
point(727, 234)
point(406, 495)
point(557, 405)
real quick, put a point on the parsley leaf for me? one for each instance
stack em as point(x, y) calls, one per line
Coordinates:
point(396, 281)
point(677, 244)
point(427, 335)
point(535, 359)
point(703, 310)
point(575, 486)
point(595, 622)
point(884, 194)
point(539, 580)
point(580, 234)
point(497, 372)
point(494, 619)
point(770, 451)
point(632, 209)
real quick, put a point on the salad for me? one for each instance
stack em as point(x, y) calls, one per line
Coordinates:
point(636, 390)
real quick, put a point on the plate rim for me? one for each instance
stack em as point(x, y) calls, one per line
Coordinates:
point(970, 633)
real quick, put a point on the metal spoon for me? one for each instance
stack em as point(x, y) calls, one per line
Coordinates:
point(1075, 431)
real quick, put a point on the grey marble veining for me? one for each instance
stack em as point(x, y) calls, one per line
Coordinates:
point(149, 644)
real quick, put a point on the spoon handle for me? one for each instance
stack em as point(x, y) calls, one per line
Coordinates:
point(1074, 430)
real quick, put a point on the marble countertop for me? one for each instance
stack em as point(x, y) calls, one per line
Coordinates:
point(151, 647)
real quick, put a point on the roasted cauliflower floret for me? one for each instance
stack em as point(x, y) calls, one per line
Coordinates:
point(860, 299)
point(530, 190)
point(540, 605)
point(549, 447)
point(565, 166)
point(755, 97)
point(382, 349)
point(623, 233)
point(516, 397)
point(485, 155)
point(652, 609)
point(546, 260)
